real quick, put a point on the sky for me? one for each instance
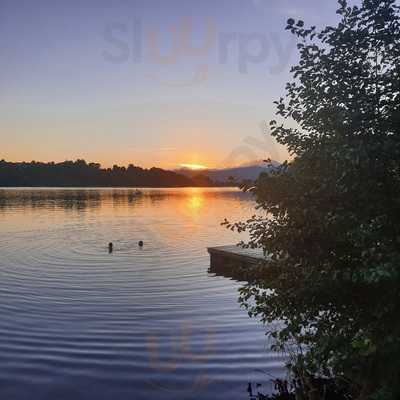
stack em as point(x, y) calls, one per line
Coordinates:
point(148, 82)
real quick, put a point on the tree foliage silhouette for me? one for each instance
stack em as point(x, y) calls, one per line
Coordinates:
point(333, 224)
point(80, 174)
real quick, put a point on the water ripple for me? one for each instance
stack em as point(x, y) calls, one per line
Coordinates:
point(77, 322)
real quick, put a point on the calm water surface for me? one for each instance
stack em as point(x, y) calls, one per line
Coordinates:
point(79, 323)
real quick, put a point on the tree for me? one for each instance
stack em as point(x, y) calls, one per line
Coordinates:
point(81, 174)
point(332, 224)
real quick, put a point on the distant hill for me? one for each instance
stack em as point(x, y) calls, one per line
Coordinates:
point(249, 171)
point(80, 174)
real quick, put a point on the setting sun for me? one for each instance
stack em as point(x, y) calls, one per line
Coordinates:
point(193, 166)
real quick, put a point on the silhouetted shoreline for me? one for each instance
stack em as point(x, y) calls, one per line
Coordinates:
point(79, 173)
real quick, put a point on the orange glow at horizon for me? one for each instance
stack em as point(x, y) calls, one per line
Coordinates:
point(193, 166)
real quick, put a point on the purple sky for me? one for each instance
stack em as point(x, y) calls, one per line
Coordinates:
point(149, 82)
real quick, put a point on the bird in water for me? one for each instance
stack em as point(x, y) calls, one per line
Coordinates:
point(140, 243)
point(110, 248)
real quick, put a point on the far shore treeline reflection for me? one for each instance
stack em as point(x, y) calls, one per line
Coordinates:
point(79, 173)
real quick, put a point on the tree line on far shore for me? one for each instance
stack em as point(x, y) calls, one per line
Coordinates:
point(79, 173)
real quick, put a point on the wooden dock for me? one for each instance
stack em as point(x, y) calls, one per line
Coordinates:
point(234, 261)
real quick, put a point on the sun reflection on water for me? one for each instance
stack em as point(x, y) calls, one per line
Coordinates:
point(195, 202)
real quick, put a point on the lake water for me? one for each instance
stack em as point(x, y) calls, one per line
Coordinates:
point(78, 323)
